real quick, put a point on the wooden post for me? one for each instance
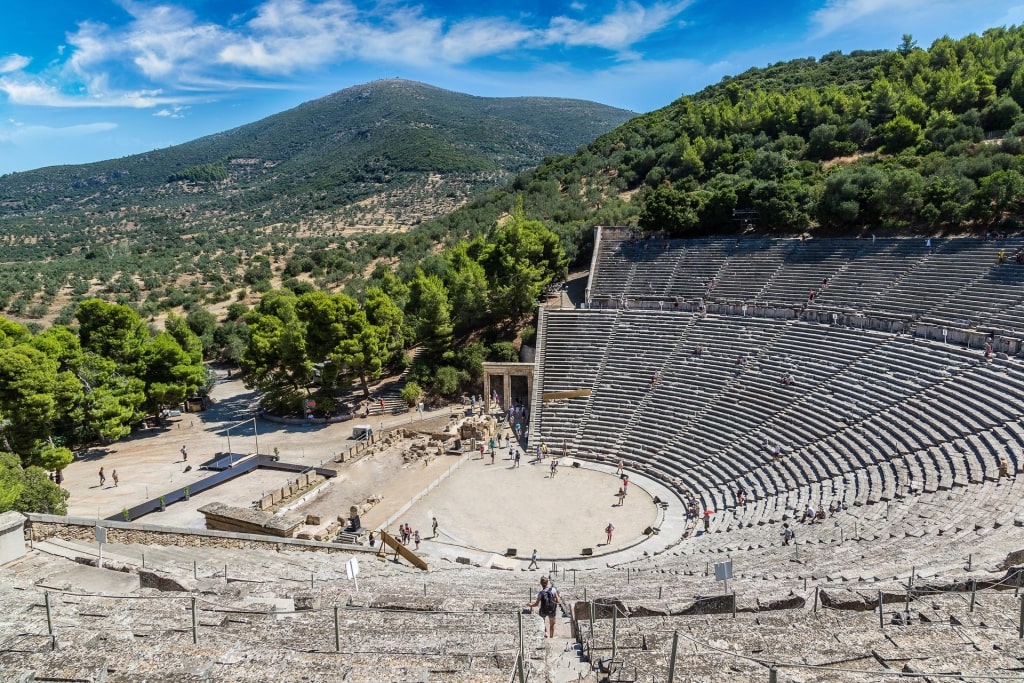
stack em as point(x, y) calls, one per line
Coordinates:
point(522, 651)
point(1020, 625)
point(974, 592)
point(591, 606)
point(615, 618)
point(195, 570)
point(773, 674)
point(337, 631)
point(734, 604)
point(195, 622)
point(1016, 584)
point(49, 620)
point(881, 614)
point(672, 658)
point(311, 579)
point(816, 589)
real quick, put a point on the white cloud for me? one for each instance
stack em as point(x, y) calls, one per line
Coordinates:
point(13, 62)
point(173, 112)
point(165, 49)
point(286, 35)
point(28, 92)
point(839, 14)
point(19, 133)
point(467, 40)
point(628, 24)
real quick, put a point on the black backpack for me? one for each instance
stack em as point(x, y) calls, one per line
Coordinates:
point(548, 601)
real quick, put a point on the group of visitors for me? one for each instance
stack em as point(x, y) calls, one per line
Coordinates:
point(410, 536)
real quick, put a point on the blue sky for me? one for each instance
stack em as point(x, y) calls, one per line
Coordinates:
point(86, 80)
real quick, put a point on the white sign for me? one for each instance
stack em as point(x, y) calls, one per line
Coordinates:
point(101, 534)
point(352, 569)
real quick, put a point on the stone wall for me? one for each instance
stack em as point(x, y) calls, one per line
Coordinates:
point(12, 537)
point(41, 527)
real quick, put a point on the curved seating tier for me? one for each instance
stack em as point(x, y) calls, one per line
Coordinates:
point(869, 416)
point(956, 280)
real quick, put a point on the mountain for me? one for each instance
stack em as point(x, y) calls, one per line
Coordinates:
point(181, 224)
point(909, 140)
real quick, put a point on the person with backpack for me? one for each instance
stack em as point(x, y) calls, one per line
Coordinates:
point(548, 600)
point(786, 533)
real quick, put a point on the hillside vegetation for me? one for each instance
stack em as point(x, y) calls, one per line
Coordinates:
point(908, 139)
point(302, 193)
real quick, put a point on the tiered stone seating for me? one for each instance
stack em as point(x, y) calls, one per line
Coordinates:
point(870, 419)
point(955, 281)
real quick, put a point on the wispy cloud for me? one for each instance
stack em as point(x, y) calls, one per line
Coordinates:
point(164, 49)
point(173, 112)
point(839, 14)
point(618, 31)
point(19, 133)
point(13, 62)
point(37, 93)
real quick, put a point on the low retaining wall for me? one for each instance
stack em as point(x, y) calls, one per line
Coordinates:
point(40, 527)
point(12, 536)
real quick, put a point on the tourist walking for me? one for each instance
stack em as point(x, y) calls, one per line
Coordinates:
point(533, 560)
point(433, 527)
point(113, 475)
point(608, 531)
point(103, 477)
point(548, 600)
point(416, 538)
point(184, 454)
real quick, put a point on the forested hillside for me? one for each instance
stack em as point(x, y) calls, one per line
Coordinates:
point(908, 139)
point(305, 193)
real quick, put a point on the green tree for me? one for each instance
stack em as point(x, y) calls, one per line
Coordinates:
point(899, 134)
point(430, 314)
point(520, 260)
point(411, 393)
point(998, 193)
point(907, 45)
point(28, 405)
point(276, 359)
point(382, 312)
point(113, 331)
point(203, 324)
point(466, 283)
point(29, 489)
point(364, 351)
point(171, 373)
point(448, 381)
